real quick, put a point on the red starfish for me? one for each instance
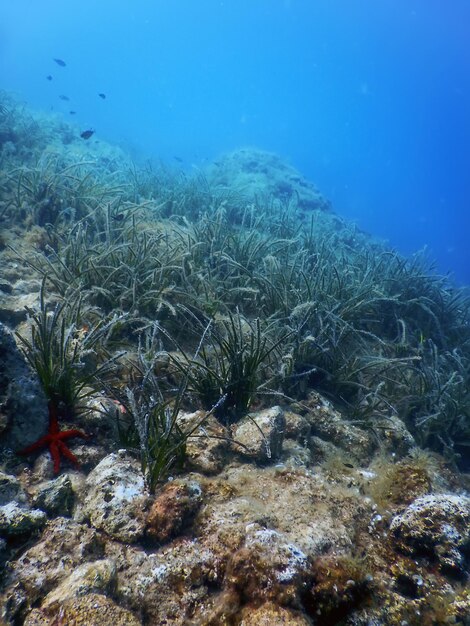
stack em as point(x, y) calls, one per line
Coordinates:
point(55, 440)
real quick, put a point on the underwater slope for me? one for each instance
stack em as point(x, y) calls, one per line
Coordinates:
point(226, 329)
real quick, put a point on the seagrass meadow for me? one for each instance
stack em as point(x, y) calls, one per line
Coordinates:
point(245, 259)
point(139, 293)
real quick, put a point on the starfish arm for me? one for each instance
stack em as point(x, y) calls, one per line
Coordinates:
point(37, 445)
point(67, 453)
point(55, 454)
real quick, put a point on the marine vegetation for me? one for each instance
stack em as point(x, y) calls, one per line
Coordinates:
point(276, 406)
point(147, 423)
point(232, 365)
point(270, 297)
point(63, 352)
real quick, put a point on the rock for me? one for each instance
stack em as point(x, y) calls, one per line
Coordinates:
point(263, 174)
point(207, 449)
point(291, 502)
point(218, 608)
point(269, 614)
point(260, 435)
point(3, 427)
point(18, 520)
point(268, 567)
point(88, 456)
point(329, 425)
point(90, 610)
point(3, 552)
point(173, 509)
point(297, 427)
point(437, 526)
point(393, 435)
point(21, 397)
point(12, 308)
point(168, 585)
point(94, 577)
point(341, 584)
point(322, 450)
point(55, 497)
point(10, 489)
point(64, 545)
point(5, 287)
point(28, 288)
point(294, 454)
point(116, 497)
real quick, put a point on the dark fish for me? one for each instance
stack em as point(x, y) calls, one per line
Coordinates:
point(66, 98)
point(87, 134)
point(349, 465)
point(60, 62)
point(102, 95)
point(49, 77)
point(118, 217)
point(179, 159)
point(72, 112)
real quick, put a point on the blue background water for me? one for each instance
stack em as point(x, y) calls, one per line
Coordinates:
point(370, 99)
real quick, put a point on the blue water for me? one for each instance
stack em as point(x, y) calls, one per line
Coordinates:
point(370, 99)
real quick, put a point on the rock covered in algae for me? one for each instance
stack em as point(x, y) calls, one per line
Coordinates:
point(63, 546)
point(339, 585)
point(437, 526)
point(261, 434)
point(258, 174)
point(329, 425)
point(295, 503)
point(207, 449)
point(173, 508)
point(10, 489)
point(20, 520)
point(90, 610)
point(269, 614)
point(393, 435)
point(55, 497)
point(169, 584)
point(268, 567)
point(251, 541)
point(116, 497)
point(95, 576)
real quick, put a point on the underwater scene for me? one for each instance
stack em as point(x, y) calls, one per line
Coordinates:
point(234, 313)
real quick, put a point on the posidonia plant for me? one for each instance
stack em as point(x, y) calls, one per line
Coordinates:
point(66, 355)
point(375, 332)
point(233, 364)
point(148, 423)
point(61, 343)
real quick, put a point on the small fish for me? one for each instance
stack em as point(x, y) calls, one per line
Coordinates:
point(49, 77)
point(179, 159)
point(118, 217)
point(66, 98)
point(87, 134)
point(102, 96)
point(60, 62)
point(72, 113)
